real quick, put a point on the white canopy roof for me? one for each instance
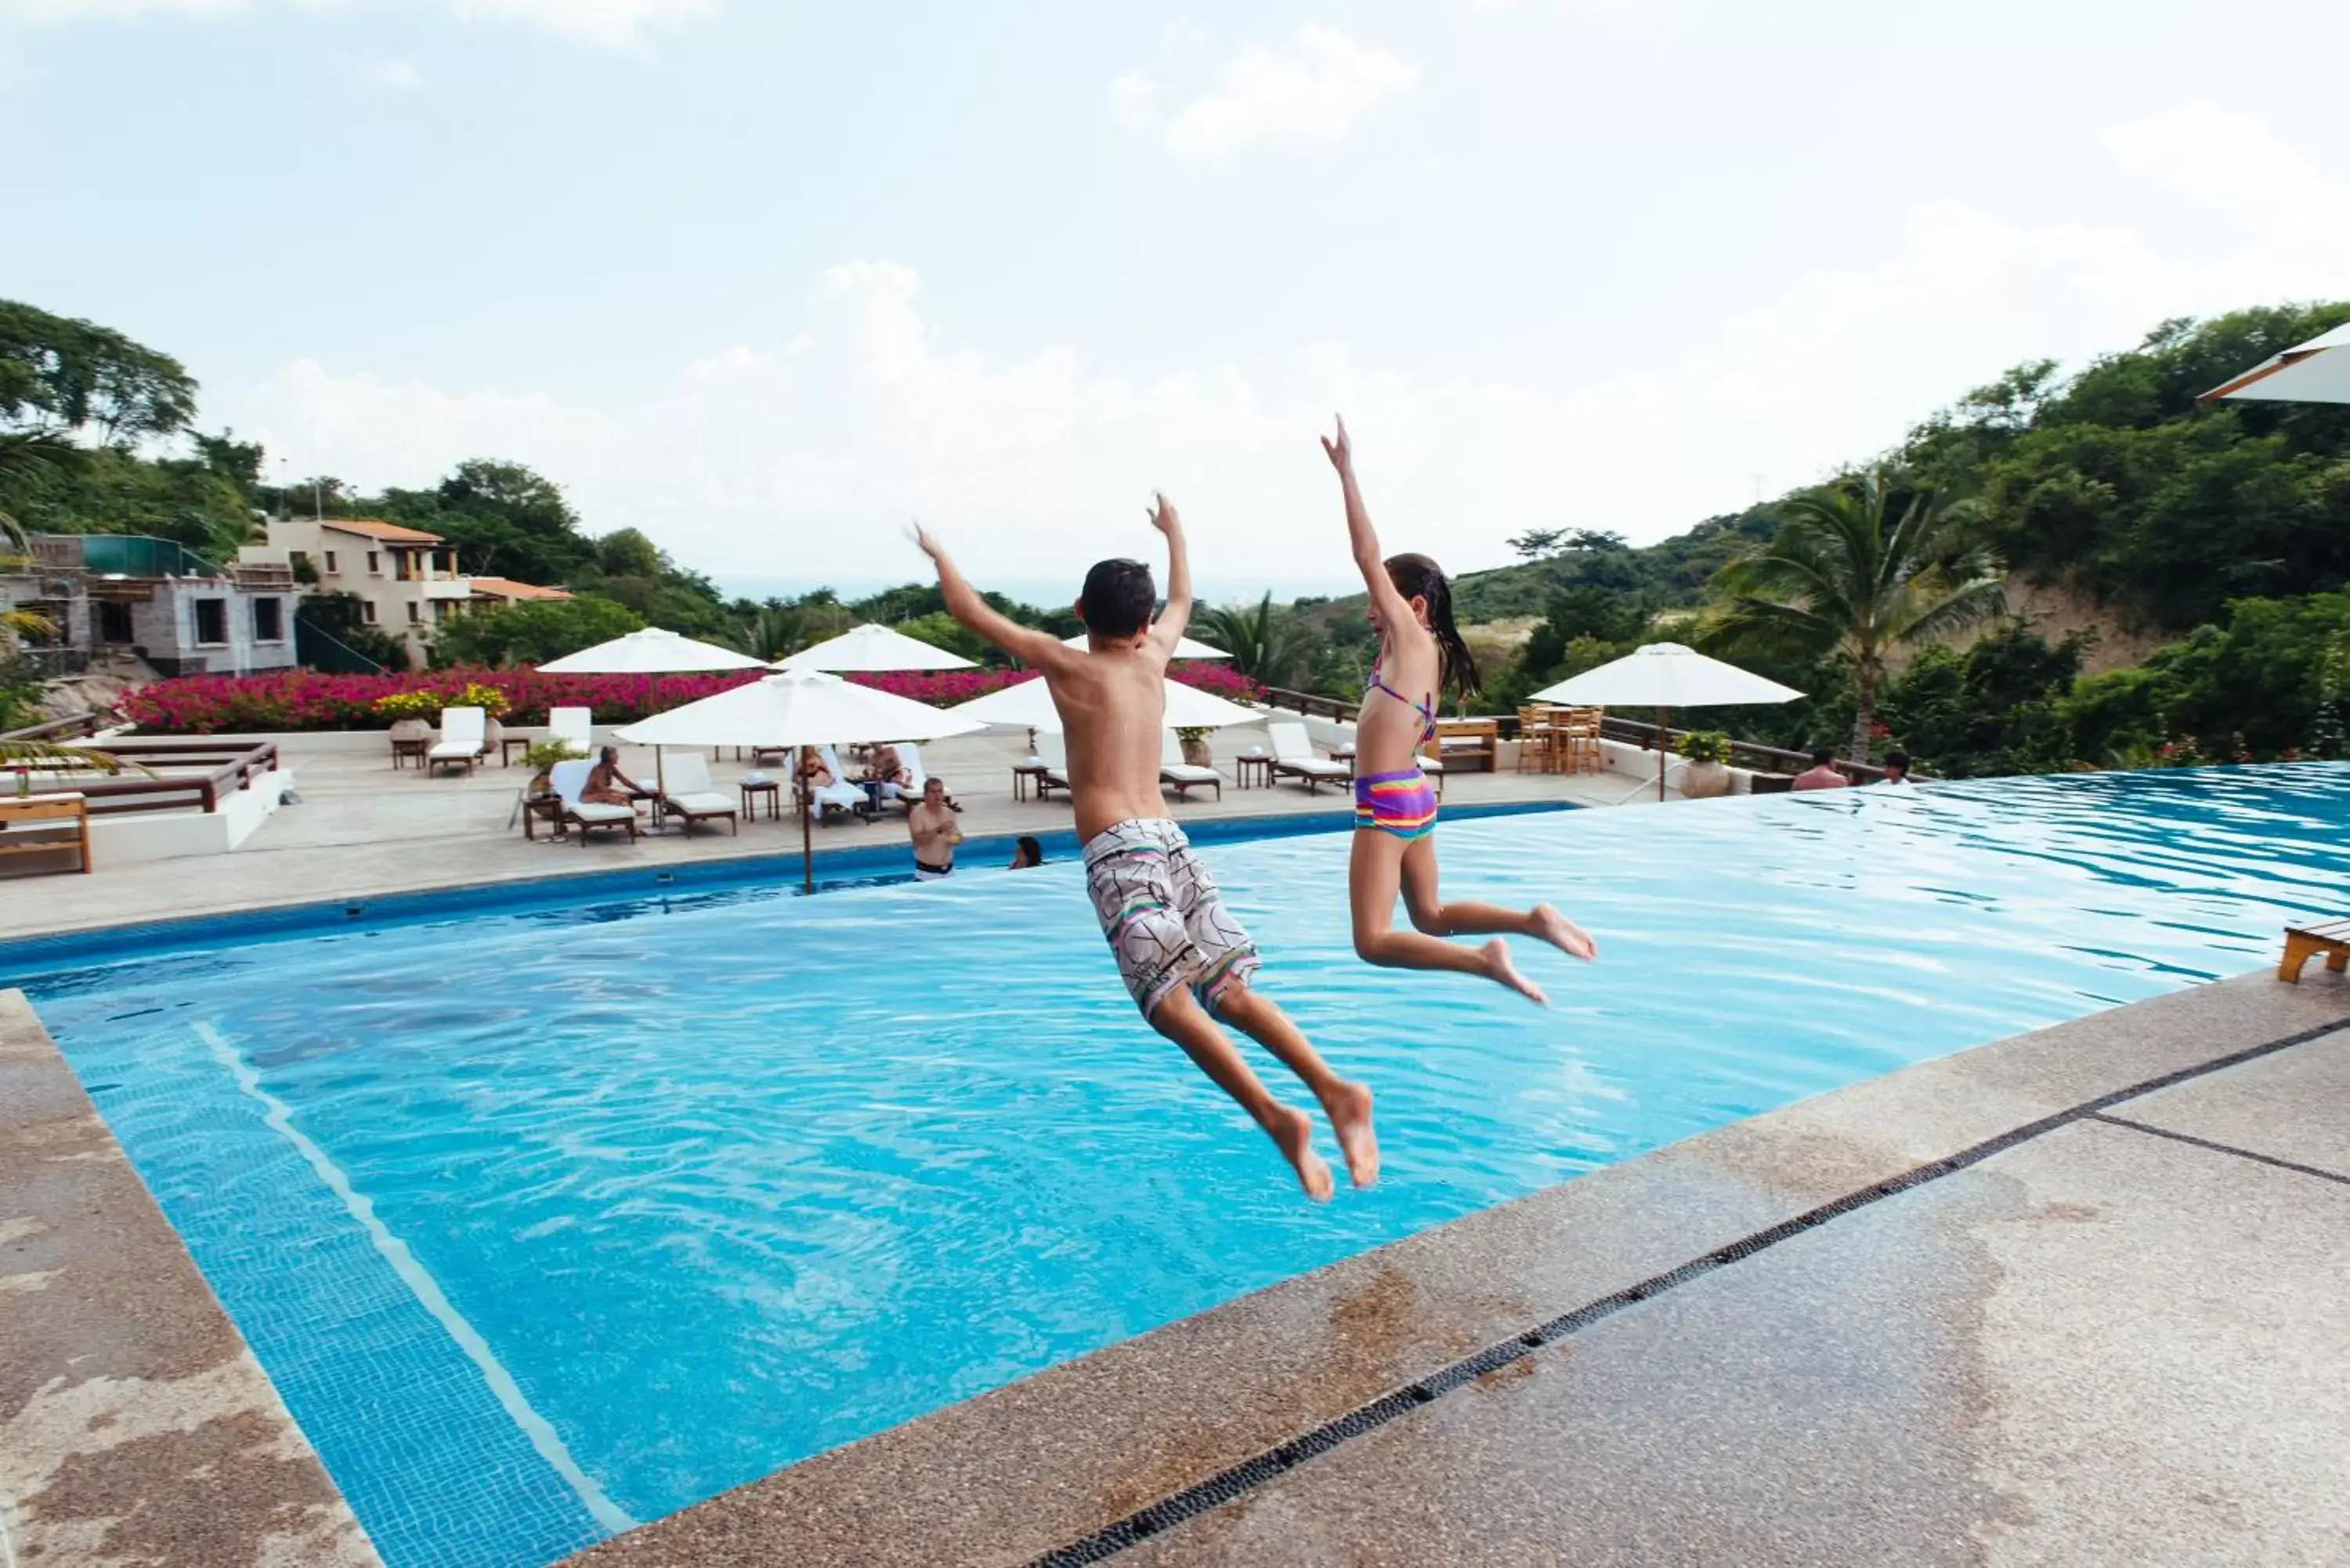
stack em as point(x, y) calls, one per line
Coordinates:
point(796, 708)
point(1029, 706)
point(1184, 648)
point(2316, 372)
point(1667, 675)
point(871, 647)
point(652, 651)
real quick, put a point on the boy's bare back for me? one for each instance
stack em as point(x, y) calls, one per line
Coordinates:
point(1113, 702)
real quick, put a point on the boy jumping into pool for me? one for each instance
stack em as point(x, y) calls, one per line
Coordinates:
point(1181, 953)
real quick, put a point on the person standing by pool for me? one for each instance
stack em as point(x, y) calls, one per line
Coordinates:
point(1185, 959)
point(1821, 774)
point(1420, 653)
point(932, 824)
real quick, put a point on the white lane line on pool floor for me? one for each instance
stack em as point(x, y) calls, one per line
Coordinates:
point(536, 1427)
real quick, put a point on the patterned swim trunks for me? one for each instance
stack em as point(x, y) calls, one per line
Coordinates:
point(1160, 909)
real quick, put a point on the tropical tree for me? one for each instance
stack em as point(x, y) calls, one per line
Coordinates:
point(26, 455)
point(1860, 568)
point(776, 629)
point(1270, 645)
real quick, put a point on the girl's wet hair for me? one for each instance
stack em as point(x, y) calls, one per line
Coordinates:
point(1417, 578)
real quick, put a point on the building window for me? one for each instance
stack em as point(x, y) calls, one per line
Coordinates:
point(375, 564)
point(331, 568)
point(415, 612)
point(296, 557)
point(114, 622)
point(268, 620)
point(366, 611)
point(211, 622)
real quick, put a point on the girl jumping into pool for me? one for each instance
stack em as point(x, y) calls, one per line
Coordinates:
point(1420, 655)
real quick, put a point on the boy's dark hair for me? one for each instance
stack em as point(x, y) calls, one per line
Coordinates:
point(1119, 598)
point(1897, 760)
point(1823, 757)
point(1417, 578)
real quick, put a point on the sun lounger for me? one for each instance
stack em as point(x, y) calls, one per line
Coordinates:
point(1294, 757)
point(837, 795)
point(568, 779)
point(2302, 944)
point(1054, 752)
point(465, 736)
point(1184, 776)
point(689, 793)
point(574, 727)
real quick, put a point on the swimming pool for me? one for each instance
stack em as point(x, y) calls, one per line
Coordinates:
point(547, 1222)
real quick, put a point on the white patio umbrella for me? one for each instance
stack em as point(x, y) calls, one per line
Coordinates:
point(2316, 372)
point(872, 647)
point(794, 709)
point(1184, 648)
point(1027, 705)
point(652, 651)
point(1664, 676)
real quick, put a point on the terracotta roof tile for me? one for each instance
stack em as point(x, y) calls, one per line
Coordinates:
point(372, 528)
point(508, 588)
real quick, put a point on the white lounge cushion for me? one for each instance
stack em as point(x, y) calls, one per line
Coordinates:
point(1184, 772)
point(599, 812)
point(701, 802)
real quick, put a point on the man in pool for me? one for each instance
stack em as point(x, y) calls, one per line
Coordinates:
point(931, 826)
point(1181, 953)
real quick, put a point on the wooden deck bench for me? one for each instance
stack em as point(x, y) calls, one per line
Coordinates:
point(2302, 944)
point(44, 824)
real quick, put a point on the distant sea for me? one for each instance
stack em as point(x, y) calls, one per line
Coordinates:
point(1040, 592)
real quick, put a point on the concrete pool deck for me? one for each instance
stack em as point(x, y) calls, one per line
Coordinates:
point(363, 830)
point(2076, 1296)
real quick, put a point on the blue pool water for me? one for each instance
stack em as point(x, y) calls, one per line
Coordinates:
point(549, 1220)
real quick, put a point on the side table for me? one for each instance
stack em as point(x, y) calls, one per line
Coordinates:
point(1025, 774)
point(405, 752)
point(508, 744)
point(773, 793)
point(538, 808)
point(1259, 768)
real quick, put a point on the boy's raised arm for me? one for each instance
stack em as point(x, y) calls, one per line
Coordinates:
point(1168, 628)
point(1024, 643)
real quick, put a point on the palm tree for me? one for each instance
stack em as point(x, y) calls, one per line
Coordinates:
point(1862, 566)
point(27, 754)
point(1270, 646)
point(25, 454)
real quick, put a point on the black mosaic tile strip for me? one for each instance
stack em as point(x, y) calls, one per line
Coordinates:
point(2318, 1171)
point(1249, 1474)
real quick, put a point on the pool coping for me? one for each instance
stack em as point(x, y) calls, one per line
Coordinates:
point(70, 946)
point(1079, 1462)
point(135, 1424)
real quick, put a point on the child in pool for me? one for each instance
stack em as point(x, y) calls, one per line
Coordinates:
point(1420, 654)
point(1185, 959)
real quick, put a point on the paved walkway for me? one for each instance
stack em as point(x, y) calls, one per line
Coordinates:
point(2081, 1297)
point(363, 830)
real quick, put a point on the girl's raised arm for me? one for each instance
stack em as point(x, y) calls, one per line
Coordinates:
point(1361, 535)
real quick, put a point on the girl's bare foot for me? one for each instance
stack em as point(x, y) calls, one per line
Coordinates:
point(1496, 954)
point(1350, 1109)
point(1293, 1133)
point(1562, 933)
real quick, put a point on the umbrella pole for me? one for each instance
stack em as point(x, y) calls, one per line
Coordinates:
point(808, 854)
point(1663, 749)
point(661, 782)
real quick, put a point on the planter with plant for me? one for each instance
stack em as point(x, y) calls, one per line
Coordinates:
point(410, 712)
point(1194, 740)
point(1707, 752)
point(541, 758)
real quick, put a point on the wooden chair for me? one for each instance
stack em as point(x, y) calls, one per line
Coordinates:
point(2302, 944)
point(44, 824)
point(1577, 743)
point(1537, 741)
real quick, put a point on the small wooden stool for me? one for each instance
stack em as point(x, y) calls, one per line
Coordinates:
point(2302, 944)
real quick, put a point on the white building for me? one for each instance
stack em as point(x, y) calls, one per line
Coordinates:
point(121, 593)
point(407, 580)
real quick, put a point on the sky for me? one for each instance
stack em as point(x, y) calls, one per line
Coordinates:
point(766, 280)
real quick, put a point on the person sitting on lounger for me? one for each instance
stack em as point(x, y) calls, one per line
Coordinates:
point(608, 786)
point(932, 825)
point(1822, 774)
point(1025, 852)
point(886, 775)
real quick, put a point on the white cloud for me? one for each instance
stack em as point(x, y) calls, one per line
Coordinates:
point(612, 23)
point(399, 74)
point(1313, 93)
point(803, 460)
point(2202, 153)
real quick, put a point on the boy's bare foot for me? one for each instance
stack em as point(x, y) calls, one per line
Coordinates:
point(1350, 1109)
point(1293, 1132)
point(1496, 954)
point(1563, 934)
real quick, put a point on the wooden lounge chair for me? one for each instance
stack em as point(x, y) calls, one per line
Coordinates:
point(2302, 944)
point(1292, 757)
point(837, 795)
point(689, 793)
point(574, 727)
point(1183, 776)
point(1054, 752)
point(567, 780)
point(465, 736)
